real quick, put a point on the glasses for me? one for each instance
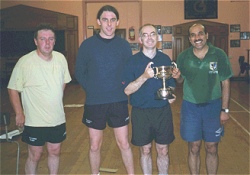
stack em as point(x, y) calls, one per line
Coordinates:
point(112, 20)
point(146, 35)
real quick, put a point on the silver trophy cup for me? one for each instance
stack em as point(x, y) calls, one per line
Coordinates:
point(164, 73)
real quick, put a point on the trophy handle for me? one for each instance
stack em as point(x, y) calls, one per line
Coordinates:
point(151, 64)
point(155, 69)
point(174, 65)
point(155, 72)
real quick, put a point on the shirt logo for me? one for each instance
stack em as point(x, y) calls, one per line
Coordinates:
point(213, 68)
point(88, 121)
point(127, 118)
point(64, 133)
point(32, 139)
point(219, 132)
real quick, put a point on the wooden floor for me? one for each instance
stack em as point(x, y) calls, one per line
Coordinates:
point(233, 149)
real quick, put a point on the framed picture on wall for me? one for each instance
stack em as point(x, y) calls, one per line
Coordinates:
point(207, 9)
point(159, 31)
point(134, 46)
point(166, 29)
point(234, 43)
point(244, 35)
point(167, 45)
point(235, 28)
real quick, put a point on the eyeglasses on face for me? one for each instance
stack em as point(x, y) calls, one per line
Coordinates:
point(146, 35)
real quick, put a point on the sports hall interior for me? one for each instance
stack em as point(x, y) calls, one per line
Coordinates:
point(228, 28)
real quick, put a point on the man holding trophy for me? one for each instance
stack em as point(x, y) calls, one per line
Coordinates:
point(148, 81)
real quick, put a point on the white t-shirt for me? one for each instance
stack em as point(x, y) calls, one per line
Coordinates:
point(41, 85)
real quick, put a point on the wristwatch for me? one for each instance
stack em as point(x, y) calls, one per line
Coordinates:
point(225, 110)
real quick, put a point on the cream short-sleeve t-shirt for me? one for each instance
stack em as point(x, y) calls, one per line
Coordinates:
point(41, 83)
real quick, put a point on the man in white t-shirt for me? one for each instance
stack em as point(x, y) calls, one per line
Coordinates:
point(40, 76)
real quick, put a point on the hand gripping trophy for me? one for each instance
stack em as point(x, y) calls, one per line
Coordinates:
point(164, 73)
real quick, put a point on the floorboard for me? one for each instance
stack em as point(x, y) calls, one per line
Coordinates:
point(233, 148)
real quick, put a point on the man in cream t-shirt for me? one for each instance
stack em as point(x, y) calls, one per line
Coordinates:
point(40, 76)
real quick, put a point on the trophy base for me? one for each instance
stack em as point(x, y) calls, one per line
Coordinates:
point(164, 94)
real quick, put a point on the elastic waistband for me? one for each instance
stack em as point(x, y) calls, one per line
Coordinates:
point(202, 104)
point(206, 103)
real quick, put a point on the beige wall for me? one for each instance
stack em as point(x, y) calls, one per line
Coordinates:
point(159, 12)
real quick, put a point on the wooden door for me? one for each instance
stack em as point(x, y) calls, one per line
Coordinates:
point(179, 44)
point(71, 44)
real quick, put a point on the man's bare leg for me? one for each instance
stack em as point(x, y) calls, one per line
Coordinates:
point(162, 158)
point(96, 137)
point(34, 155)
point(194, 157)
point(121, 135)
point(53, 157)
point(212, 159)
point(146, 159)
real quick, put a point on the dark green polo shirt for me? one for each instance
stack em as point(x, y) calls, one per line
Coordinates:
point(202, 78)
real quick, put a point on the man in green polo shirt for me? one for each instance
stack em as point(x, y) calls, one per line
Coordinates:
point(205, 70)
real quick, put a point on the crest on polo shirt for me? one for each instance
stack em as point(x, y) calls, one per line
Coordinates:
point(213, 68)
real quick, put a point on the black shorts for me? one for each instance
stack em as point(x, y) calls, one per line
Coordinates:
point(38, 136)
point(152, 124)
point(115, 114)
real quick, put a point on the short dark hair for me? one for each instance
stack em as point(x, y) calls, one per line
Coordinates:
point(197, 24)
point(107, 8)
point(44, 26)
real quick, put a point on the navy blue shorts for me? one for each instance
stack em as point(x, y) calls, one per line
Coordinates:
point(201, 121)
point(38, 136)
point(152, 124)
point(115, 114)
